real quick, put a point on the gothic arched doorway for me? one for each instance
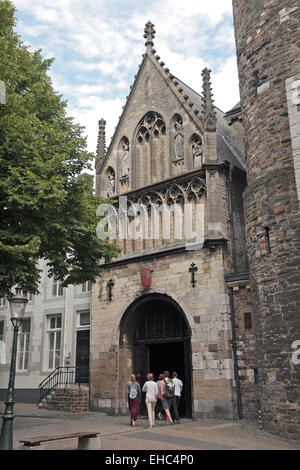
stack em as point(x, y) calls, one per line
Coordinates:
point(159, 335)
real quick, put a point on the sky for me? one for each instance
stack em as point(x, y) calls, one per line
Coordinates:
point(98, 46)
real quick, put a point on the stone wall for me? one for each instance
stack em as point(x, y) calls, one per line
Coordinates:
point(238, 185)
point(245, 343)
point(206, 308)
point(268, 39)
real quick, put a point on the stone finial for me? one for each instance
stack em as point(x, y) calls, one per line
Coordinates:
point(149, 35)
point(208, 109)
point(101, 146)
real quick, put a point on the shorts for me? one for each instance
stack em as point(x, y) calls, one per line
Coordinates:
point(164, 403)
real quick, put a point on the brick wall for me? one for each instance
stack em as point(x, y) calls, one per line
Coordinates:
point(75, 401)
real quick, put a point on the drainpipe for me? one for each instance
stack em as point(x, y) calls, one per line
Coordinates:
point(235, 362)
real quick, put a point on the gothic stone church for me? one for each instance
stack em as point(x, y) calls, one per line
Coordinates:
point(174, 300)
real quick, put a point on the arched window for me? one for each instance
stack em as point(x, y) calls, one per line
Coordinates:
point(150, 158)
point(152, 125)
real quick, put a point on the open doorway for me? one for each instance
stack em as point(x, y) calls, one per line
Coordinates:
point(169, 356)
point(160, 338)
point(82, 356)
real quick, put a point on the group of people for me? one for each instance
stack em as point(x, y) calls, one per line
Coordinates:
point(163, 395)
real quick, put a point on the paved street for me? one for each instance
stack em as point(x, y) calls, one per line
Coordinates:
point(116, 434)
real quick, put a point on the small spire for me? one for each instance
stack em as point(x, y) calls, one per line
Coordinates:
point(149, 35)
point(208, 110)
point(101, 146)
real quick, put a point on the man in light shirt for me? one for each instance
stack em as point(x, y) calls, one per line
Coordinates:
point(178, 390)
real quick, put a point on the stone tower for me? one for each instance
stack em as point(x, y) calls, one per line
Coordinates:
point(268, 52)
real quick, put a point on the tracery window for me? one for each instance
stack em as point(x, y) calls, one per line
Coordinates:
point(152, 125)
point(150, 163)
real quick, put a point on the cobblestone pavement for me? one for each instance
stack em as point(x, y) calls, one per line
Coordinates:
point(116, 433)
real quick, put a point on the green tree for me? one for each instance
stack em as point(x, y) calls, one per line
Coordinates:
point(46, 211)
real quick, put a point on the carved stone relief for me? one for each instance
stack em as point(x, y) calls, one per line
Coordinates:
point(197, 151)
point(124, 161)
point(111, 183)
point(178, 139)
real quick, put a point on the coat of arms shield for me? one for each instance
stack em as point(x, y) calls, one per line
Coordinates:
point(146, 277)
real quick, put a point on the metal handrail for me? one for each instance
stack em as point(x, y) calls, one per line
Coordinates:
point(61, 376)
point(48, 377)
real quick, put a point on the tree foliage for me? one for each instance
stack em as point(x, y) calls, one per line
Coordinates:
point(46, 211)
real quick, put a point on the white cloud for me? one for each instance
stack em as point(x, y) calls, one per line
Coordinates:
point(212, 10)
point(47, 15)
point(187, 69)
point(225, 85)
point(33, 31)
point(98, 45)
point(89, 111)
point(90, 89)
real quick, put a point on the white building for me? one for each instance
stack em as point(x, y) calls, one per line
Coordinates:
point(54, 333)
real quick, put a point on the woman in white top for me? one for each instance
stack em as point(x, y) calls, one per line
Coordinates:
point(151, 389)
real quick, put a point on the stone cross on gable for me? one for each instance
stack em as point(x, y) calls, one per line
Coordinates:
point(149, 34)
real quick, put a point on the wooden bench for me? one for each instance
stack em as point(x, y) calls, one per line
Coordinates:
point(86, 441)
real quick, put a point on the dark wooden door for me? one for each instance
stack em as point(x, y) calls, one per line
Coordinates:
point(82, 356)
point(188, 386)
point(140, 369)
point(162, 342)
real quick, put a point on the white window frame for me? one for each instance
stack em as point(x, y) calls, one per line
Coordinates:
point(86, 287)
point(57, 332)
point(57, 289)
point(23, 346)
point(2, 301)
point(83, 327)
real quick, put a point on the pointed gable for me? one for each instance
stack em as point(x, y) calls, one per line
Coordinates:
point(162, 130)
